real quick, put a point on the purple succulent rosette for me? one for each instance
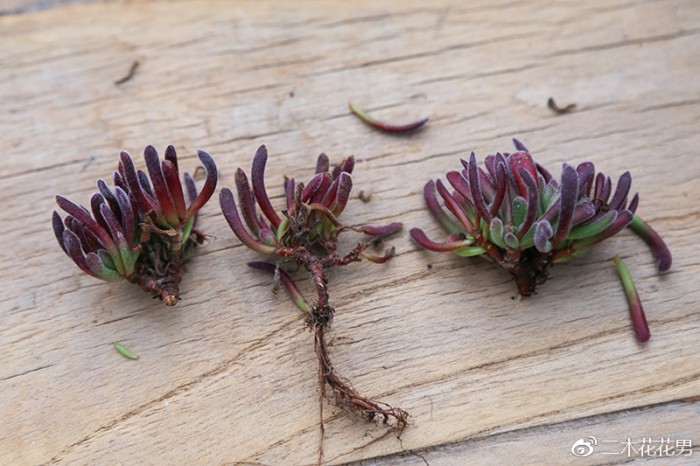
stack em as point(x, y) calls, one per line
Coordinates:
point(515, 213)
point(141, 230)
point(306, 233)
point(307, 230)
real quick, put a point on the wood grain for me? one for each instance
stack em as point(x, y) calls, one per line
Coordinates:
point(229, 374)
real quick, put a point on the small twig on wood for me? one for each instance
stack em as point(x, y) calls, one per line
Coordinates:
point(130, 74)
point(87, 163)
point(557, 109)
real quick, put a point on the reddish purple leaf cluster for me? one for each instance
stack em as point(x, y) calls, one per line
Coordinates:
point(306, 231)
point(142, 230)
point(521, 217)
point(310, 220)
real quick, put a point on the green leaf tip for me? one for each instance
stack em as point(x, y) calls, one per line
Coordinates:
point(124, 351)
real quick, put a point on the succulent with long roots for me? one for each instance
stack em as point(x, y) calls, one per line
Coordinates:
point(142, 230)
point(306, 233)
point(516, 214)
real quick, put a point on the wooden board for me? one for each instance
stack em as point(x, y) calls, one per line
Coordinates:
point(229, 374)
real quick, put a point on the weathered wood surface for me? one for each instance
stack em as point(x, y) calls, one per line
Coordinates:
point(229, 374)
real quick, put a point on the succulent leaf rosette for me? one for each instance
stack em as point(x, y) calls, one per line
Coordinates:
point(141, 230)
point(306, 233)
point(517, 214)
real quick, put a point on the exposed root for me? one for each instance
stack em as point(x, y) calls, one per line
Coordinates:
point(530, 272)
point(160, 272)
point(341, 392)
point(344, 396)
point(165, 287)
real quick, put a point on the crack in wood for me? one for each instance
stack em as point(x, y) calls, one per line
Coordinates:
point(179, 390)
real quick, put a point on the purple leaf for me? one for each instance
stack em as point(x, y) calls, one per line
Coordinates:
point(121, 257)
point(247, 203)
point(487, 188)
point(331, 193)
point(460, 184)
point(634, 203)
point(502, 184)
point(475, 188)
point(58, 229)
point(95, 202)
point(312, 187)
point(454, 207)
point(382, 231)
point(88, 240)
point(108, 195)
point(545, 174)
point(346, 165)
point(171, 156)
point(191, 187)
point(423, 241)
point(134, 186)
point(160, 188)
point(75, 252)
point(584, 211)
point(532, 202)
point(83, 217)
point(172, 180)
point(522, 161)
point(598, 187)
point(567, 203)
point(607, 189)
point(326, 187)
point(585, 172)
point(490, 163)
point(258, 180)
point(519, 145)
point(228, 206)
point(126, 212)
point(343, 194)
point(209, 185)
point(436, 210)
point(623, 188)
point(146, 185)
point(119, 178)
point(289, 187)
point(652, 238)
point(322, 164)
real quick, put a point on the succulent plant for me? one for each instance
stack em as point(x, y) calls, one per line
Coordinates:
point(142, 230)
point(519, 216)
point(306, 233)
